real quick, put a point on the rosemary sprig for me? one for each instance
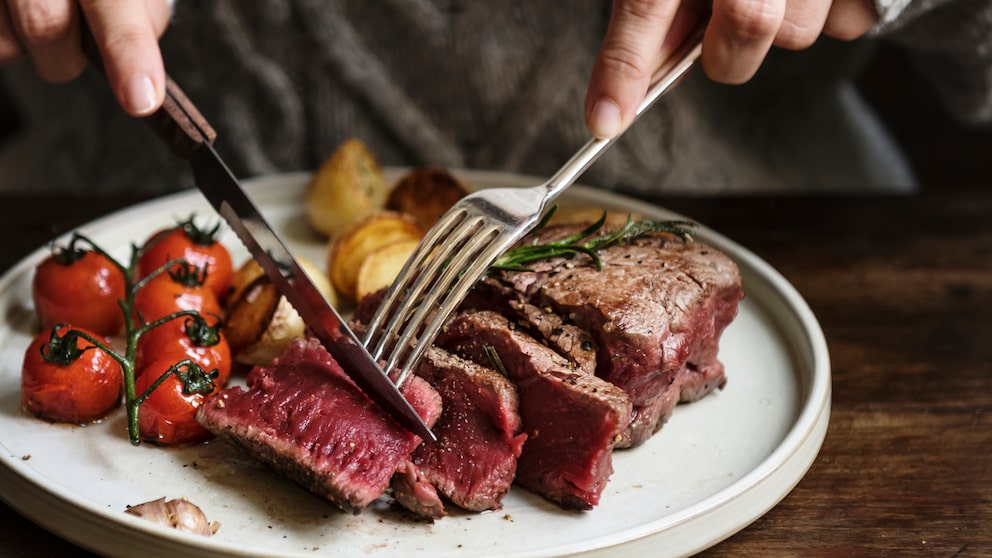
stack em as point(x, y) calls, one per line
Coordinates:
point(584, 242)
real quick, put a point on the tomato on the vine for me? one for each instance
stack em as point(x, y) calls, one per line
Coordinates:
point(181, 288)
point(200, 339)
point(79, 287)
point(197, 246)
point(168, 415)
point(66, 378)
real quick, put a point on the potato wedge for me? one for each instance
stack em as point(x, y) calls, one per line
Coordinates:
point(347, 187)
point(259, 321)
point(381, 267)
point(349, 249)
point(426, 193)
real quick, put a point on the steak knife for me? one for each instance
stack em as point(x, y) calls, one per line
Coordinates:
point(190, 136)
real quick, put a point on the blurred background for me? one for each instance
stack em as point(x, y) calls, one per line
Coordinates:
point(944, 153)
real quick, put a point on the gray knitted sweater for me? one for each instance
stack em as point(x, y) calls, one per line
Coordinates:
point(494, 85)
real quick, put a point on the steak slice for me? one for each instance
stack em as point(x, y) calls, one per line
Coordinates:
point(572, 342)
point(572, 420)
point(416, 493)
point(474, 461)
point(303, 416)
point(656, 310)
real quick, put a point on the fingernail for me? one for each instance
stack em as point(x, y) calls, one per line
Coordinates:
point(139, 94)
point(605, 119)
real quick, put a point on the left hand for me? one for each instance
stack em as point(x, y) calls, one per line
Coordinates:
point(739, 34)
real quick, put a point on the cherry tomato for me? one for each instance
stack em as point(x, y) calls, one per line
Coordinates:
point(65, 378)
point(81, 288)
point(179, 289)
point(197, 246)
point(200, 340)
point(168, 415)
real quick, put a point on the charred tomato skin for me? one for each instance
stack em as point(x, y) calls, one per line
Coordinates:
point(168, 416)
point(199, 248)
point(83, 292)
point(165, 342)
point(82, 391)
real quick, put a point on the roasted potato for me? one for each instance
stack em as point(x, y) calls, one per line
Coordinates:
point(426, 193)
point(259, 321)
point(349, 249)
point(380, 268)
point(348, 187)
point(568, 214)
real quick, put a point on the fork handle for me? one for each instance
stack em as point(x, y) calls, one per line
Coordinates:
point(667, 77)
point(178, 122)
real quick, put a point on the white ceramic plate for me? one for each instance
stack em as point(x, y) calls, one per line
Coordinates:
point(718, 464)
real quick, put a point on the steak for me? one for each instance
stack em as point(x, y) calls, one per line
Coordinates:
point(570, 341)
point(656, 311)
point(572, 419)
point(474, 461)
point(303, 416)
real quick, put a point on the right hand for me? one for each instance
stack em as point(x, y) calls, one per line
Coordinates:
point(739, 34)
point(48, 32)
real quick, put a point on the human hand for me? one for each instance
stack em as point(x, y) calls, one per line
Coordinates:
point(738, 36)
point(49, 32)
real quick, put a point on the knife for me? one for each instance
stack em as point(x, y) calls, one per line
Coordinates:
point(187, 132)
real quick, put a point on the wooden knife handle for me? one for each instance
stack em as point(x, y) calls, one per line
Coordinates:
point(178, 122)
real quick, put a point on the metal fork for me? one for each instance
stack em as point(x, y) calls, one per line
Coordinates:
point(461, 246)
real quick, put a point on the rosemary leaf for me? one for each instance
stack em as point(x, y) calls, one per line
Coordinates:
point(517, 258)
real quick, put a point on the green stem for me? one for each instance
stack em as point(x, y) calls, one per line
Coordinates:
point(132, 330)
point(516, 258)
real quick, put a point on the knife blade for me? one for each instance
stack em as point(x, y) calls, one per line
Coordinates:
point(190, 136)
point(181, 126)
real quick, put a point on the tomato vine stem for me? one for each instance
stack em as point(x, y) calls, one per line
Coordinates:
point(193, 377)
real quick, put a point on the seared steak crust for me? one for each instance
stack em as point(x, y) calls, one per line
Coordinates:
point(656, 311)
point(572, 419)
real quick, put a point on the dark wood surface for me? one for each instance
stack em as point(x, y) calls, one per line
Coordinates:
point(903, 290)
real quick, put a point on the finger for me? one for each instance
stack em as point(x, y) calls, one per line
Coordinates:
point(628, 56)
point(850, 19)
point(803, 23)
point(10, 46)
point(739, 36)
point(126, 33)
point(49, 32)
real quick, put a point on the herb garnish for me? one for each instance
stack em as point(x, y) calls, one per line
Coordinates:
point(516, 258)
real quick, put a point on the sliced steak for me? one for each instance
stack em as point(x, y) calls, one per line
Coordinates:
point(572, 420)
point(303, 416)
point(416, 493)
point(656, 311)
point(474, 461)
point(572, 342)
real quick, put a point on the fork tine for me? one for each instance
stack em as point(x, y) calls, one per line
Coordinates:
point(437, 236)
point(404, 297)
point(424, 306)
point(452, 299)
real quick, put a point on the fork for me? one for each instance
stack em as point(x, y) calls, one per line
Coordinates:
point(458, 250)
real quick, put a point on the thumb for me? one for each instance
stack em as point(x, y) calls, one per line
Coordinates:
point(630, 53)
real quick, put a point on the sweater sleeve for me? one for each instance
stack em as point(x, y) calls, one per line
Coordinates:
point(950, 41)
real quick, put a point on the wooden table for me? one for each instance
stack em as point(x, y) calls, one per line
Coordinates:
point(903, 290)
